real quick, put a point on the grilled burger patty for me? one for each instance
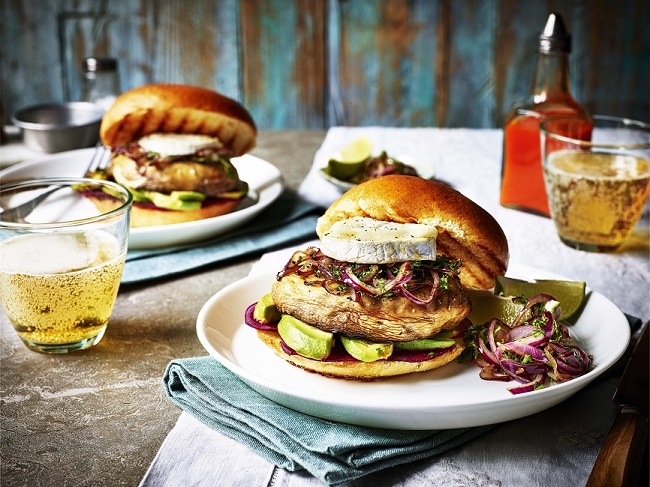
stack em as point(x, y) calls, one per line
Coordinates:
point(208, 171)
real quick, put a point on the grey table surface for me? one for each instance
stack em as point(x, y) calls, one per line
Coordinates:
point(98, 417)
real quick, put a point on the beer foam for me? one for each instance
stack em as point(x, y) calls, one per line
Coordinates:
point(57, 253)
point(598, 165)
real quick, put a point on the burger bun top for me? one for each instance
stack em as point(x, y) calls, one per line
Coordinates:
point(180, 109)
point(465, 230)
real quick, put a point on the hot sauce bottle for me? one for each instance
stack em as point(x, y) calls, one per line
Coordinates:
point(522, 181)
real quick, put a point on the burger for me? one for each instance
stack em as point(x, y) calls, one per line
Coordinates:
point(171, 146)
point(386, 291)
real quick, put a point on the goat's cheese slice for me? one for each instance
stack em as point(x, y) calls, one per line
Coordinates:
point(367, 241)
point(177, 144)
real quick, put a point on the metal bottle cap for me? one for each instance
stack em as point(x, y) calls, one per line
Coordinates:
point(100, 64)
point(554, 38)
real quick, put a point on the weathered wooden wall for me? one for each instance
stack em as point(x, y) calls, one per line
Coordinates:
point(317, 63)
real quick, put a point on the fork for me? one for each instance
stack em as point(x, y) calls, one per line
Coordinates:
point(20, 212)
point(99, 160)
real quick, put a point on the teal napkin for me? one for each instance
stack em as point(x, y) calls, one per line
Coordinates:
point(288, 219)
point(332, 452)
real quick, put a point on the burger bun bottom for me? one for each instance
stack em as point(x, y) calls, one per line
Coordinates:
point(357, 370)
point(149, 217)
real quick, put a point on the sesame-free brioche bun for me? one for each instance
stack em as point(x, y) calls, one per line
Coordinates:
point(465, 230)
point(357, 370)
point(182, 109)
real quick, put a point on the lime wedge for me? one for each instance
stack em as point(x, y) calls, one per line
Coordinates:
point(486, 306)
point(351, 159)
point(358, 150)
point(570, 294)
point(343, 170)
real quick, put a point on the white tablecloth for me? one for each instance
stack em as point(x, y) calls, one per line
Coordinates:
point(555, 447)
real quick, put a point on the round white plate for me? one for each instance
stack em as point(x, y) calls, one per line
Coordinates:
point(424, 170)
point(264, 180)
point(453, 396)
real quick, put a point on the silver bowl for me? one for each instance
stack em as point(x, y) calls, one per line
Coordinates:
point(57, 127)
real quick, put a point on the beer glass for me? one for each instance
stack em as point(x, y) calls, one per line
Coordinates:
point(61, 265)
point(597, 189)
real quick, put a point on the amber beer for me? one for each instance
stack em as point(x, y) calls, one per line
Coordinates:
point(596, 198)
point(67, 299)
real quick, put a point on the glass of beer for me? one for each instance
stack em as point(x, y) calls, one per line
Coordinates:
point(61, 264)
point(597, 189)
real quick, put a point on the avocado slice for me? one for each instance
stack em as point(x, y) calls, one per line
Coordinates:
point(424, 344)
point(305, 339)
point(445, 335)
point(265, 310)
point(183, 200)
point(174, 201)
point(236, 194)
point(188, 195)
point(366, 351)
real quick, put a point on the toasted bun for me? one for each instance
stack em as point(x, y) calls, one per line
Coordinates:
point(465, 230)
point(357, 370)
point(182, 109)
point(149, 216)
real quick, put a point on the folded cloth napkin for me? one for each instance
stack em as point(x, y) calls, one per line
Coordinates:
point(332, 452)
point(290, 218)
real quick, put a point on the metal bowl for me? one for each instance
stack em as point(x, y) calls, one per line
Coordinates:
point(57, 127)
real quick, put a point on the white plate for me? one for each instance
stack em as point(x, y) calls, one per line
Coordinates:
point(453, 396)
point(264, 180)
point(424, 170)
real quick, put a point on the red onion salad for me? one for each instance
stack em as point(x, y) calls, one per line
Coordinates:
point(535, 350)
point(418, 281)
point(382, 165)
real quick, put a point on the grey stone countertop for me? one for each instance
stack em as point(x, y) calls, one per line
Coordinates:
point(99, 416)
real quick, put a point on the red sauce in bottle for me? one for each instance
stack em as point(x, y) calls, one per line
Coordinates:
point(522, 176)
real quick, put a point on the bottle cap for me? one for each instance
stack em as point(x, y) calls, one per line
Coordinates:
point(554, 38)
point(100, 64)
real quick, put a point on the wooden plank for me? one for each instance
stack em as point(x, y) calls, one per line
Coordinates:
point(609, 60)
point(312, 64)
point(196, 43)
point(617, 62)
point(283, 62)
point(30, 67)
point(471, 52)
point(515, 53)
point(384, 62)
point(158, 41)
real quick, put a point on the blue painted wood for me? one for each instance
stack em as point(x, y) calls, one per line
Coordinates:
point(156, 42)
point(471, 60)
point(617, 63)
point(313, 64)
point(384, 62)
point(284, 63)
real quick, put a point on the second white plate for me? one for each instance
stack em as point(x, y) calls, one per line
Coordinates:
point(264, 180)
